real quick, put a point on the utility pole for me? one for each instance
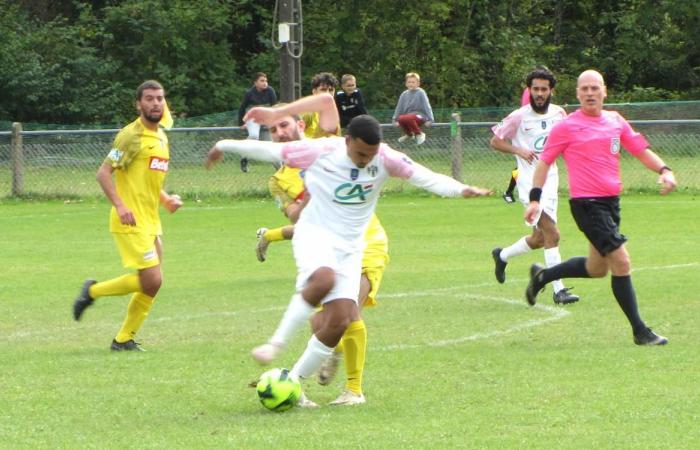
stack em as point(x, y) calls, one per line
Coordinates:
point(290, 37)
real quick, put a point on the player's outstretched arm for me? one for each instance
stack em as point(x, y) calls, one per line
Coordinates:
point(323, 104)
point(247, 148)
point(443, 185)
point(652, 161)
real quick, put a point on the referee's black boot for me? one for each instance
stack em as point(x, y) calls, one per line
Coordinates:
point(84, 300)
point(647, 337)
point(534, 287)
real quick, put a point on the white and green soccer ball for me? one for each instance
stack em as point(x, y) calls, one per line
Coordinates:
point(277, 390)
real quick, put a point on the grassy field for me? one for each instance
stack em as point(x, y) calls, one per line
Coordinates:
point(455, 360)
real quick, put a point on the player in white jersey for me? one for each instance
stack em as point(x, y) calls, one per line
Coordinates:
point(527, 129)
point(344, 178)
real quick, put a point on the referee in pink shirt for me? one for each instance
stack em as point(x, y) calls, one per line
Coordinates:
point(590, 141)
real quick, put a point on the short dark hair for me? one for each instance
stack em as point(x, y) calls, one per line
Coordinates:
point(258, 75)
point(541, 73)
point(148, 84)
point(324, 78)
point(366, 128)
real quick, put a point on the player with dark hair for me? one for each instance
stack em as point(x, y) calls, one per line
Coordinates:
point(590, 141)
point(132, 177)
point(523, 134)
point(344, 178)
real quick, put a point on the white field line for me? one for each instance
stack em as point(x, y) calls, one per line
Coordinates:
point(555, 313)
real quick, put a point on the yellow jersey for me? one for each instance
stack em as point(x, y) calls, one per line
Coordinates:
point(313, 130)
point(140, 158)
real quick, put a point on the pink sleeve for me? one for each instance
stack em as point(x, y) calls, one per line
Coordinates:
point(507, 128)
point(301, 154)
point(634, 142)
point(396, 163)
point(557, 141)
point(525, 99)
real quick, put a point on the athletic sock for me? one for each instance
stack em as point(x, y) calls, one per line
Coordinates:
point(624, 294)
point(316, 352)
point(274, 234)
point(297, 313)
point(571, 268)
point(125, 284)
point(520, 247)
point(355, 344)
point(139, 306)
point(552, 257)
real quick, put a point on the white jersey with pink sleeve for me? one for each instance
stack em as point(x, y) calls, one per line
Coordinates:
point(527, 129)
point(590, 146)
point(344, 196)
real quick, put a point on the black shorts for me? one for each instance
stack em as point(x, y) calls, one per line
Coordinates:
point(599, 219)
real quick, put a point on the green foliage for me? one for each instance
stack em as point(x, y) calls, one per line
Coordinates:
point(80, 61)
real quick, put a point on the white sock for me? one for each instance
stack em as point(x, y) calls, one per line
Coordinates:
point(518, 248)
point(296, 315)
point(552, 258)
point(316, 352)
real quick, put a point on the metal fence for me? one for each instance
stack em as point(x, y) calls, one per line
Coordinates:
point(63, 163)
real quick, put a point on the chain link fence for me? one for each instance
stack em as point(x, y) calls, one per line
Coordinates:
point(63, 163)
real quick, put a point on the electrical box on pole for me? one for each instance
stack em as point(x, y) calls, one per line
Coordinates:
point(290, 40)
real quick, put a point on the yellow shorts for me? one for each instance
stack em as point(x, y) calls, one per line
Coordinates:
point(138, 251)
point(373, 265)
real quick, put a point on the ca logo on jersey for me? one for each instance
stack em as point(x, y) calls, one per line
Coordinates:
point(539, 143)
point(352, 194)
point(615, 146)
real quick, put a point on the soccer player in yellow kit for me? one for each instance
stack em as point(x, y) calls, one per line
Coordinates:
point(287, 187)
point(132, 178)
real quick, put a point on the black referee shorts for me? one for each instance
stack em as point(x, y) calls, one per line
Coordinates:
point(599, 219)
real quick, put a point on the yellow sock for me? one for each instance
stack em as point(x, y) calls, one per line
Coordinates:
point(274, 234)
point(136, 313)
point(354, 343)
point(126, 284)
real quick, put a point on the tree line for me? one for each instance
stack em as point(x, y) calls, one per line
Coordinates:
point(75, 61)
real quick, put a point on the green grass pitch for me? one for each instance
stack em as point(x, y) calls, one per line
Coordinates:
point(455, 360)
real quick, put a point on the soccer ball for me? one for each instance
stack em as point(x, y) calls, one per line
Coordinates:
point(277, 390)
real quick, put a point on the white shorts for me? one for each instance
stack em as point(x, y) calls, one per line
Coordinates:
point(548, 202)
point(314, 247)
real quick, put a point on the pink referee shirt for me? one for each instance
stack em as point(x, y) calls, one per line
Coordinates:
point(590, 146)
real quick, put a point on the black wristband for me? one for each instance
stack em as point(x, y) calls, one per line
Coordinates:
point(535, 194)
point(661, 170)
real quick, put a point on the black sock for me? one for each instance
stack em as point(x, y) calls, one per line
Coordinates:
point(511, 186)
point(571, 268)
point(624, 294)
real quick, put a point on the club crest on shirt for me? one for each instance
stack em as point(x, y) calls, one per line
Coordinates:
point(544, 124)
point(372, 170)
point(354, 173)
point(615, 146)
